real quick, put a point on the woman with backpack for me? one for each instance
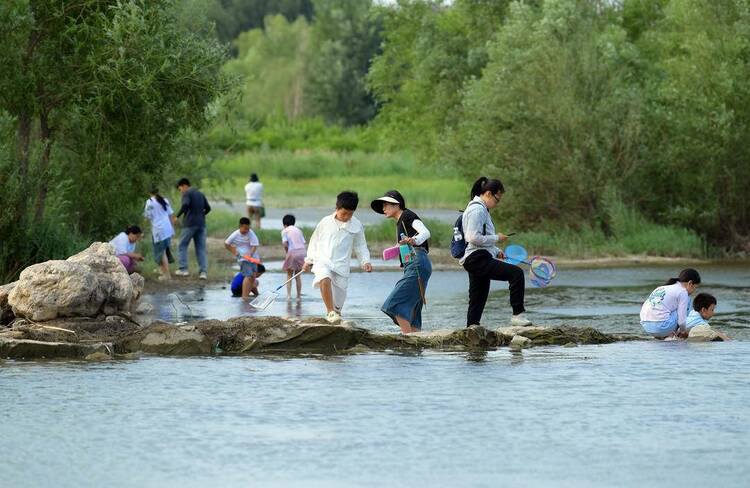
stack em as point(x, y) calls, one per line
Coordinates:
point(404, 304)
point(482, 258)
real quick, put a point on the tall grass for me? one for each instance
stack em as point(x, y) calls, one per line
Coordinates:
point(633, 235)
point(314, 178)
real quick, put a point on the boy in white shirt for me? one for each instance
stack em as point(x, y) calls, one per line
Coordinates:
point(243, 244)
point(330, 251)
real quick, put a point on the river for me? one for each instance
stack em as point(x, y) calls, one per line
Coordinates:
point(644, 413)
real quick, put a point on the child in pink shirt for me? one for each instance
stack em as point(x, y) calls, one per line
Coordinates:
point(294, 245)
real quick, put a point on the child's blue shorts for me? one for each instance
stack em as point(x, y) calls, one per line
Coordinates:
point(248, 269)
point(663, 328)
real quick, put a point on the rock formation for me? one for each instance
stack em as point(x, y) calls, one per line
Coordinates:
point(87, 284)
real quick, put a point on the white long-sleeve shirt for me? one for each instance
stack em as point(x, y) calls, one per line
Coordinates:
point(333, 241)
point(665, 300)
point(479, 231)
point(423, 233)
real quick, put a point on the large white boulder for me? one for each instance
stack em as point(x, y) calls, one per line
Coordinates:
point(85, 285)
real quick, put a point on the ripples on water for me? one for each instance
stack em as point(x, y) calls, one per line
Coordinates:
point(626, 414)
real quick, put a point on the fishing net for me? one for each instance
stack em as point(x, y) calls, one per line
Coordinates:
point(515, 254)
point(541, 271)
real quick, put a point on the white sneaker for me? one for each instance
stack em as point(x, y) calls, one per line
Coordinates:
point(203, 276)
point(164, 277)
point(333, 317)
point(182, 272)
point(520, 320)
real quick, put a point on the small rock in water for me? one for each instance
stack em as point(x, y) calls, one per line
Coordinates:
point(98, 356)
point(519, 342)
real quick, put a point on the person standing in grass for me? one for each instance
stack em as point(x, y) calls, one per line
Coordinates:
point(404, 304)
point(195, 207)
point(330, 252)
point(482, 258)
point(243, 245)
point(160, 213)
point(254, 199)
point(124, 244)
point(293, 241)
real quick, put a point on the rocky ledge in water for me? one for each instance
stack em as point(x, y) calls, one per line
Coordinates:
point(119, 336)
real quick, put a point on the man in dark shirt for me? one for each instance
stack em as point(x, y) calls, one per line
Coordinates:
point(194, 209)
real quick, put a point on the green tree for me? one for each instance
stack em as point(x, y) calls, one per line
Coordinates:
point(345, 36)
point(233, 17)
point(272, 65)
point(97, 96)
point(431, 50)
point(698, 171)
point(556, 114)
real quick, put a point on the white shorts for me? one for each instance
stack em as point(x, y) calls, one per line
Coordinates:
point(339, 284)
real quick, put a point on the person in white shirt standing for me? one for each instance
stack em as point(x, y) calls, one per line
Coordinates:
point(160, 213)
point(330, 252)
point(254, 199)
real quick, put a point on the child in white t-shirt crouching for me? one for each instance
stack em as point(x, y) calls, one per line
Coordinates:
point(243, 245)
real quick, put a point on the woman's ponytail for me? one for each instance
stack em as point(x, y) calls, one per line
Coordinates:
point(162, 201)
point(478, 187)
point(483, 184)
point(687, 274)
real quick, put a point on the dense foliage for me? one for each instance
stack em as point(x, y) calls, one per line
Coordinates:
point(96, 99)
point(580, 105)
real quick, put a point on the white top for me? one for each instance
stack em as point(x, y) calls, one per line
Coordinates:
point(479, 231)
point(254, 194)
point(333, 241)
point(161, 225)
point(243, 243)
point(122, 244)
point(694, 318)
point(293, 237)
point(665, 300)
point(423, 233)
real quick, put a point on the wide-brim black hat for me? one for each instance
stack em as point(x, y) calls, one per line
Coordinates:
point(391, 196)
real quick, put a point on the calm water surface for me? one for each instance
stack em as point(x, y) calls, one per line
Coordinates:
point(627, 414)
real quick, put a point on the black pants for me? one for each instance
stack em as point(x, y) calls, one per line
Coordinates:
point(482, 269)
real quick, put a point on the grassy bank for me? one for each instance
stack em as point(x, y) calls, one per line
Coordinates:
point(314, 178)
point(632, 237)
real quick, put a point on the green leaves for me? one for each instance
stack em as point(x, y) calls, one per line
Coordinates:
point(109, 89)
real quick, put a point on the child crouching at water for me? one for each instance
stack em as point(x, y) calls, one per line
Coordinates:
point(704, 306)
point(243, 245)
point(330, 252)
point(664, 313)
point(294, 244)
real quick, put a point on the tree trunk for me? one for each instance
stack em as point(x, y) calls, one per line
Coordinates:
point(45, 135)
point(23, 149)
